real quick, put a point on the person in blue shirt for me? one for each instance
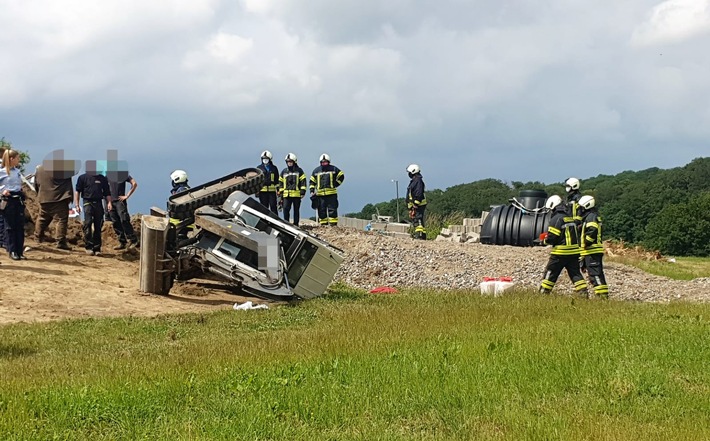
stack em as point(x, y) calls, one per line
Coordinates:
point(14, 201)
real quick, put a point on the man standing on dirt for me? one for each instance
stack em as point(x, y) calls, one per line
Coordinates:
point(93, 188)
point(120, 218)
point(416, 200)
point(54, 191)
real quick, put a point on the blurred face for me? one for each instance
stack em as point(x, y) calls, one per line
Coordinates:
point(14, 162)
point(324, 163)
point(289, 163)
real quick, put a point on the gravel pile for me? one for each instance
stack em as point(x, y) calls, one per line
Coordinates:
point(373, 259)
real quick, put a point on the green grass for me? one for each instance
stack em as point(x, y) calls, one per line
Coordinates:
point(684, 268)
point(416, 365)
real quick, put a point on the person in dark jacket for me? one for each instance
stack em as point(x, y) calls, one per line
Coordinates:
point(55, 191)
point(592, 246)
point(573, 194)
point(292, 188)
point(416, 201)
point(178, 179)
point(2, 217)
point(324, 184)
point(14, 202)
point(563, 235)
point(120, 217)
point(93, 189)
point(267, 194)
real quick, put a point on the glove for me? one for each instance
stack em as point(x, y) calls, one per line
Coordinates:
point(412, 212)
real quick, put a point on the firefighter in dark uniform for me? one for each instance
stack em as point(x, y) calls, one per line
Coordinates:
point(292, 188)
point(178, 179)
point(267, 194)
point(416, 200)
point(325, 181)
point(93, 188)
point(563, 235)
point(572, 188)
point(592, 246)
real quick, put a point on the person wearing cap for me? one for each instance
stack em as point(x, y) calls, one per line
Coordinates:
point(416, 200)
point(325, 180)
point(292, 188)
point(267, 194)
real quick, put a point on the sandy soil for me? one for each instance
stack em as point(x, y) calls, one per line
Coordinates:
point(53, 284)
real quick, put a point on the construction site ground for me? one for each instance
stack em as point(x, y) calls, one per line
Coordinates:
point(54, 284)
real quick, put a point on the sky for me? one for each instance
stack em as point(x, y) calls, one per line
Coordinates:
point(515, 90)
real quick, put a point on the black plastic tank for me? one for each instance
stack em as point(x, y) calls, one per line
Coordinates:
point(519, 223)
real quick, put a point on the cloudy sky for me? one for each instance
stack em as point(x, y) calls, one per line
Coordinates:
point(512, 89)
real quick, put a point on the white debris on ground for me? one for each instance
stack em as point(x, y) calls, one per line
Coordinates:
point(373, 259)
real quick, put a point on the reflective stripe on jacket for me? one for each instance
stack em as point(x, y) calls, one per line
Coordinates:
point(293, 182)
point(592, 234)
point(271, 177)
point(563, 234)
point(326, 179)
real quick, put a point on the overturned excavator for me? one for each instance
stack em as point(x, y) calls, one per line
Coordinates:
point(218, 229)
point(519, 223)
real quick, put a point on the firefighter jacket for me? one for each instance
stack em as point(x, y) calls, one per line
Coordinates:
point(592, 233)
point(562, 233)
point(415, 192)
point(293, 182)
point(271, 177)
point(326, 179)
point(573, 201)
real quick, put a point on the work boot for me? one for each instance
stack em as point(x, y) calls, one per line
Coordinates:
point(134, 244)
point(63, 246)
point(122, 246)
point(89, 252)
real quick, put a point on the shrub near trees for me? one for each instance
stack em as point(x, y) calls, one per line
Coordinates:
point(667, 210)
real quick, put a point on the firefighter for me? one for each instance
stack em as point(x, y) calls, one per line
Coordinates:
point(179, 180)
point(416, 200)
point(572, 188)
point(592, 246)
point(292, 188)
point(267, 194)
point(563, 235)
point(325, 180)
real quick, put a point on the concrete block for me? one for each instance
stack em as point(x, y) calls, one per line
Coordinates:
point(456, 229)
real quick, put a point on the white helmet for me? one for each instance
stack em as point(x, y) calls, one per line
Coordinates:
point(292, 157)
point(587, 202)
point(266, 155)
point(324, 157)
point(178, 176)
point(571, 184)
point(552, 202)
point(413, 169)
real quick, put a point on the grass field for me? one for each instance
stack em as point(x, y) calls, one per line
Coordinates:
point(354, 366)
point(678, 268)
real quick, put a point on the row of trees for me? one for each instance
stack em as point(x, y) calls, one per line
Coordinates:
point(667, 210)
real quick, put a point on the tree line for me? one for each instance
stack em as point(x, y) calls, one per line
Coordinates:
point(661, 209)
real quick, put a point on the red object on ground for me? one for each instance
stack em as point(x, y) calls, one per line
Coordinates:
point(543, 236)
point(383, 290)
point(498, 279)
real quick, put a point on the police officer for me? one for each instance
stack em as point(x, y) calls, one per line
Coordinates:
point(292, 188)
point(416, 200)
point(563, 235)
point(178, 178)
point(592, 246)
point(14, 201)
point(267, 194)
point(93, 188)
point(325, 181)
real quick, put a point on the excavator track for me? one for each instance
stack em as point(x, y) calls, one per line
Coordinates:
point(184, 204)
